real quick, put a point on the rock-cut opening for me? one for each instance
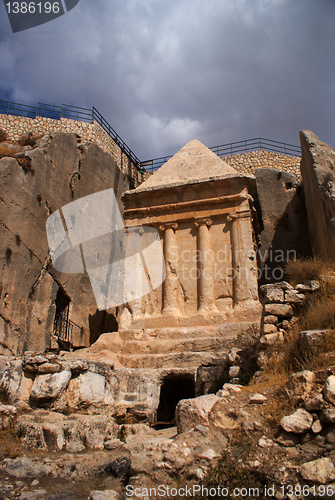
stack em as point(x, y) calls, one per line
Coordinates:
point(174, 388)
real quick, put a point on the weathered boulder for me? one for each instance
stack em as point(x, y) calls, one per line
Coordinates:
point(220, 420)
point(300, 384)
point(228, 389)
point(280, 310)
point(265, 442)
point(7, 416)
point(300, 421)
point(270, 320)
point(320, 471)
point(103, 495)
point(53, 431)
point(315, 404)
point(317, 169)
point(271, 339)
point(234, 356)
point(23, 467)
point(10, 379)
point(284, 220)
point(8, 410)
point(269, 329)
point(316, 426)
point(311, 340)
point(49, 386)
point(234, 371)
point(257, 399)
point(327, 416)
point(191, 412)
point(329, 390)
point(287, 439)
point(294, 297)
point(273, 294)
point(308, 286)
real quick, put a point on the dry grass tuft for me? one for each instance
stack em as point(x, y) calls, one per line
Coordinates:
point(320, 309)
point(318, 313)
point(304, 270)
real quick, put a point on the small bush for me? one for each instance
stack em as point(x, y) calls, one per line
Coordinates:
point(230, 474)
point(302, 270)
point(320, 313)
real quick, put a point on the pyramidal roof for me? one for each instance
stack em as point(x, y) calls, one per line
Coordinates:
point(193, 163)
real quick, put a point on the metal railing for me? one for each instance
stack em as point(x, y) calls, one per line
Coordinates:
point(90, 115)
point(70, 113)
point(116, 138)
point(234, 148)
point(64, 329)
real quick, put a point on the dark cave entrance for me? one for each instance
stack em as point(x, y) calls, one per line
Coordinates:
point(101, 322)
point(175, 387)
point(62, 303)
point(61, 322)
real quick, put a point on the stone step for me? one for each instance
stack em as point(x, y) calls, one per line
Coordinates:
point(225, 330)
point(170, 360)
point(159, 346)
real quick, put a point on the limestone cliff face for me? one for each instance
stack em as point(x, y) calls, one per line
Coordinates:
point(317, 168)
point(39, 181)
point(284, 234)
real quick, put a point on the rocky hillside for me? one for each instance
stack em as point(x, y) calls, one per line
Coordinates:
point(271, 438)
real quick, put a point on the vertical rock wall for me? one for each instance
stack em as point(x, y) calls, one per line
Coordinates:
point(58, 170)
point(284, 234)
point(317, 168)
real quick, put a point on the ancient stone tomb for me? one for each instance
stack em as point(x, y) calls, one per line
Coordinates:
point(200, 205)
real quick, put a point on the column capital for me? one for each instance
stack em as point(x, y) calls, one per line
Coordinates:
point(203, 221)
point(238, 215)
point(231, 217)
point(168, 225)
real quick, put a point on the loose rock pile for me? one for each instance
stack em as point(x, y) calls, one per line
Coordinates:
point(281, 302)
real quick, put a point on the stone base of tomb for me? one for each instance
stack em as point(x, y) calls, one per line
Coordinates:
point(167, 341)
point(152, 365)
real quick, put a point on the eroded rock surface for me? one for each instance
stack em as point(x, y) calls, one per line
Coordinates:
point(61, 169)
point(317, 169)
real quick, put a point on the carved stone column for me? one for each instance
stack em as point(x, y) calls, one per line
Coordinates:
point(171, 283)
point(205, 282)
point(243, 258)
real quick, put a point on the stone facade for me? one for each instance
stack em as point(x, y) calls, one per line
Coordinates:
point(17, 126)
point(201, 208)
point(205, 225)
point(246, 163)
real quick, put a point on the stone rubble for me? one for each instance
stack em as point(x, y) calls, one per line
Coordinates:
point(302, 444)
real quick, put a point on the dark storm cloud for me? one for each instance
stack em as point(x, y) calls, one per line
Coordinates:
point(164, 72)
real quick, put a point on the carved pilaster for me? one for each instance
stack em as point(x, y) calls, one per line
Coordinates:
point(243, 258)
point(170, 285)
point(205, 265)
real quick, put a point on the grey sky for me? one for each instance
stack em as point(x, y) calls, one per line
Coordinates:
point(163, 72)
